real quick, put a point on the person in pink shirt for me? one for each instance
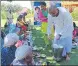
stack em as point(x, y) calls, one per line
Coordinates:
point(43, 13)
point(43, 17)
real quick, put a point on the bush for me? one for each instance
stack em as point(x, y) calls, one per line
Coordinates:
point(75, 14)
point(3, 15)
point(15, 15)
point(29, 15)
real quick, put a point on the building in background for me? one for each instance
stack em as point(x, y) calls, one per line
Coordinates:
point(70, 5)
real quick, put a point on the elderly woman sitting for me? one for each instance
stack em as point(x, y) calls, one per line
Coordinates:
point(21, 18)
point(23, 56)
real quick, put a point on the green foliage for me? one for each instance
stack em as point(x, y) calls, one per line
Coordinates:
point(30, 15)
point(39, 42)
point(15, 8)
point(3, 14)
point(15, 15)
point(75, 14)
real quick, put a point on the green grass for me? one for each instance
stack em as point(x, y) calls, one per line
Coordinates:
point(39, 42)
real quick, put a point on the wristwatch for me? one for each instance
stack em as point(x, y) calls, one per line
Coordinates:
point(60, 35)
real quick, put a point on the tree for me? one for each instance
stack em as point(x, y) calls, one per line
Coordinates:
point(4, 7)
point(75, 14)
point(16, 8)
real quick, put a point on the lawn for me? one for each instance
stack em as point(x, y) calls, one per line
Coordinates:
point(39, 42)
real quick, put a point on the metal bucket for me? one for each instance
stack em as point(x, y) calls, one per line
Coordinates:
point(57, 52)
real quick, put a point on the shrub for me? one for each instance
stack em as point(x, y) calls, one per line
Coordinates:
point(75, 14)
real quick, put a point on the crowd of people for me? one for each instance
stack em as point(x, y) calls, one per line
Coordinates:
point(13, 40)
point(17, 38)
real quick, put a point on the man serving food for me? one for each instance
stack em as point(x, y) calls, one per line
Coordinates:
point(62, 20)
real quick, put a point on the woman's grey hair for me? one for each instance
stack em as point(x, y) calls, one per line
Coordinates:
point(51, 7)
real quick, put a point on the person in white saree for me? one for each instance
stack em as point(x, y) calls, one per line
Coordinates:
point(62, 20)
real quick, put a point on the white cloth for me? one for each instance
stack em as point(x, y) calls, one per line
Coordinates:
point(66, 43)
point(23, 51)
point(63, 23)
point(10, 39)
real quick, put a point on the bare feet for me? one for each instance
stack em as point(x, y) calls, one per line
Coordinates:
point(67, 58)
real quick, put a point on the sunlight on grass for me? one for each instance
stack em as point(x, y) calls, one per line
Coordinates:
point(50, 51)
point(49, 58)
point(54, 62)
point(73, 52)
point(38, 28)
point(57, 64)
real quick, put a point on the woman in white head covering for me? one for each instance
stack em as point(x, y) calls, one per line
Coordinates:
point(23, 56)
